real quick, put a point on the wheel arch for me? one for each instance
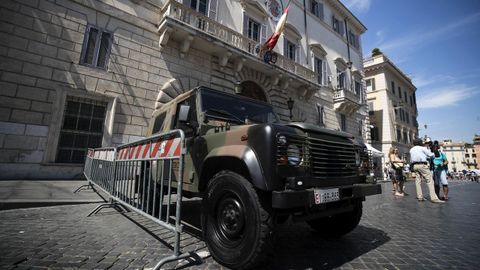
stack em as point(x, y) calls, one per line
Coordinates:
point(238, 159)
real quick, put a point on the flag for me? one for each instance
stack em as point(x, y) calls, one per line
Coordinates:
point(273, 39)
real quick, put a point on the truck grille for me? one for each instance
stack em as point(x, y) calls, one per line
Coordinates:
point(331, 159)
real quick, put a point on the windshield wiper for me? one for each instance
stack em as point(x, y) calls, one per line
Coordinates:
point(229, 115)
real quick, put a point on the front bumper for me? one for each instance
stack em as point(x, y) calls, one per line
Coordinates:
point(288, 199)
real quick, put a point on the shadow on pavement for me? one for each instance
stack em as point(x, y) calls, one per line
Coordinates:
point(313, 251)
point(309, 250)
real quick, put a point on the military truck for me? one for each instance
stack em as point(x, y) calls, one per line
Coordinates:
point(254, 172)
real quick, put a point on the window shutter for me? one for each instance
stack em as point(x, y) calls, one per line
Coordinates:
point(341, 28)
point(320, 10)
point(245, 24)
point(212, 11)
point(324, 72)
point(297, 53)
point(263, 34)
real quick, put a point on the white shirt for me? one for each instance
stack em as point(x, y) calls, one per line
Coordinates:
point(419, 154)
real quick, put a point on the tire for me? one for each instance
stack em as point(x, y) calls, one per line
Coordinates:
point(338, 225)
point(237, 228)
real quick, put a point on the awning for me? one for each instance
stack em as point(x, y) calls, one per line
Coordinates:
point(375, 152)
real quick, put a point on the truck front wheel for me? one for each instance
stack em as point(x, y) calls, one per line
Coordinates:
point(338, 225)
point(236, 227)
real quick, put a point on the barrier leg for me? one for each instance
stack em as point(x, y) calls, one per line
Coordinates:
point(115, 205)
point(191, 257)
point(87, 186)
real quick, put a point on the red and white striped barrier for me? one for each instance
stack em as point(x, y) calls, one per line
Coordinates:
point(102, 154)
point(159, 149)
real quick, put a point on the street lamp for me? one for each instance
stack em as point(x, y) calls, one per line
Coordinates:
point(290, 103)
point(238, 87)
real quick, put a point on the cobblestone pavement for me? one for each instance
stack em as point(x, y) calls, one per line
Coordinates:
point(395, 233)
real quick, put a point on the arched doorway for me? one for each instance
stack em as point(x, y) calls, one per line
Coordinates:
point(252, 90)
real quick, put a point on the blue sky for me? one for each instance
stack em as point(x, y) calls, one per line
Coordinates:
point(437, 44)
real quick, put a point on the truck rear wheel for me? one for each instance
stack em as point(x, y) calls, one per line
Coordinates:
point(338, 225)
point(236, 227)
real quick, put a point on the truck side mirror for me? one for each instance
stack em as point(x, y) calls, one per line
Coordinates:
point(183, 113)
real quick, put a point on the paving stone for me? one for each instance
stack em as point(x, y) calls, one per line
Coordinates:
point(393, 234)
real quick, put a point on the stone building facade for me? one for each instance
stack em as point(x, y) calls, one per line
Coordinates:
point(77, 73)
point(392, 104)
point(476, 150)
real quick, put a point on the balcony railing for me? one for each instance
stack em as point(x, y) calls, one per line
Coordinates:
point(344, 94)
point(184, 14)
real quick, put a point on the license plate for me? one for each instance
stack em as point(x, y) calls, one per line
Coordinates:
point(326, 195)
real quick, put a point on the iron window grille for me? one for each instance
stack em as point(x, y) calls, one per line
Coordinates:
point(96, 49)
point(82, 128)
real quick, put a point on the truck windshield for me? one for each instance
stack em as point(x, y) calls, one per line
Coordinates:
point(236, 109)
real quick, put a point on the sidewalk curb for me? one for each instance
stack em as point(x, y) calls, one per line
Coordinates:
point(18, 204)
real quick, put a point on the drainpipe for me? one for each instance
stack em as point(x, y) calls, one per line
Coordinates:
point(348, 52)
point(306, 31)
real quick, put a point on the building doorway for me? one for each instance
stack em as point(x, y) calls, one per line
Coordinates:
point(252, 90)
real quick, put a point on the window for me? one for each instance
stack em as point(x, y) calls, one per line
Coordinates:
point(321, 113)
point(253, 30)
point(370, 108)
point(319, 69)
point(343, 122)
point(399, 92)
point(467, 155)
point(393, 87)
point(337, 25)
point(96, 47)
point(341, 79)
point(360, 128)
point(199, 5)
point(411, 101)
point(358, 88)
point(353, 39)
point(370, 84)
point(405, 137)
point(316, 8)
point(290, 50)
point(188, 128)
point(405, 97)
point(374, 135)
point(82, 128)
point(399, 135)
point(407, 117)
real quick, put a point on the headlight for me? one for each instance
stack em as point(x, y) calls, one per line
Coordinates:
point(293, 155)
point(357, 158)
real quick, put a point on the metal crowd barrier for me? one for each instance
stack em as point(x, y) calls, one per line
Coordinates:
point(146, 177)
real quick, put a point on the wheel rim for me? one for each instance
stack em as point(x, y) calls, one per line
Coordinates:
point(230, 218)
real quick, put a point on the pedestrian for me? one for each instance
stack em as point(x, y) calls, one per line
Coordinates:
point(396, 170)
point(419, 155)
point(440, 163)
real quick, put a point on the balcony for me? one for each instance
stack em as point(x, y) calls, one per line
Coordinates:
point(184, 25)
point(346, 101)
